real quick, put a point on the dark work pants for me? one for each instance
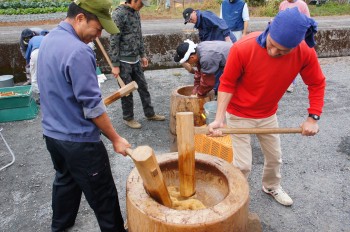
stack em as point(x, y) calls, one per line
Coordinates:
point(129, 73)
point(83, 167)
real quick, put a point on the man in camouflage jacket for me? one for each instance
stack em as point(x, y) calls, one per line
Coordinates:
point(128, 57)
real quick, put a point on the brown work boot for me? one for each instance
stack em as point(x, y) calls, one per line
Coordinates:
point(133, 124)
point(156, 117)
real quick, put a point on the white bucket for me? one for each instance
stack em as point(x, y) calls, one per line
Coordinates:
point(210, 111)
point(6, 81)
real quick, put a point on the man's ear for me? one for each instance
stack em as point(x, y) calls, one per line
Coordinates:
point(80, 17)
point(193, 56)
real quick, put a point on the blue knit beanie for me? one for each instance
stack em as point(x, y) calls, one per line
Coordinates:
point(290, 27)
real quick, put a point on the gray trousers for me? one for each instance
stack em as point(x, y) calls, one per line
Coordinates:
point(129, 73)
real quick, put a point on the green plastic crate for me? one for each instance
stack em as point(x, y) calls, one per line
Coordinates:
point(21, 99)
point(19, 113)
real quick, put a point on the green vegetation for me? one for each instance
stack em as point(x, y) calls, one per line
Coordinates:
point(330, 8)
point(16, 7)
point(257, 8)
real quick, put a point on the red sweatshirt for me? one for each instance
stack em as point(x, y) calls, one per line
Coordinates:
point(258, 81)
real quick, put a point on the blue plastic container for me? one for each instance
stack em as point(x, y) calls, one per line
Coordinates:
point(210, 111)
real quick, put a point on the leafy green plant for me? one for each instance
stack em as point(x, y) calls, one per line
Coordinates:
point(33, 7)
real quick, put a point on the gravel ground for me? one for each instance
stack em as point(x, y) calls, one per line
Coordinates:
point(316, 170)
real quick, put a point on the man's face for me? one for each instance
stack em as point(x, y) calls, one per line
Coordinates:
point(136, 4)
point(88, 31)
point(193, 60)
point(274, 49)
point(193, 18)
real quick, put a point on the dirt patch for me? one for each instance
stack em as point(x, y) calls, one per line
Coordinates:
point(30, 23)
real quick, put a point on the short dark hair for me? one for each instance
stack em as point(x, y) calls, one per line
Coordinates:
point(129, 1)
point(74, 10)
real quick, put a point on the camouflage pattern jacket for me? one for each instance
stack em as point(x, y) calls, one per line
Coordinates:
point(128, 45)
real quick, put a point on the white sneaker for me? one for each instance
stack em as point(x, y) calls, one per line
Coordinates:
point(280, 196)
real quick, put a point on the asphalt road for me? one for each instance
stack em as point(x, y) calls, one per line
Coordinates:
point(315, 171)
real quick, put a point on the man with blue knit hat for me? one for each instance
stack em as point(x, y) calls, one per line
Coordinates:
point(258, 71)
point(74, 116)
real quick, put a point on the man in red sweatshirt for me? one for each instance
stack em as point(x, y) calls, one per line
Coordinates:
point(258, 71)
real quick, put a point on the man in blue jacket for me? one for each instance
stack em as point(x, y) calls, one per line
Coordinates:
point(210, 27)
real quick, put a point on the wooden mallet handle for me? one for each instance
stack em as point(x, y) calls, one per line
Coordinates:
point(204, 130)
point(122, 92)
point(120, 81)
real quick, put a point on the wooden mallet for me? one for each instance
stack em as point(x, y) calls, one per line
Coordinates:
point(186, 148)
point(186, 153)
point(227, 130)
point(152, 177)
point(124, 90)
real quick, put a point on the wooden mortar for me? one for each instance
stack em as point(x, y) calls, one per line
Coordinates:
point(219, 185)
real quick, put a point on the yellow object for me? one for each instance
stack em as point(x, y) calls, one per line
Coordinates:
point(217, 146)
point(184, 203)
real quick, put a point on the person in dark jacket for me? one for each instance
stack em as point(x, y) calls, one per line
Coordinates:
point(128, 58)
point(210, 27)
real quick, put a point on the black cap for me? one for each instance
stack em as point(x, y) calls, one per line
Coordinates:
point(187, 14)
point(181, 51)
